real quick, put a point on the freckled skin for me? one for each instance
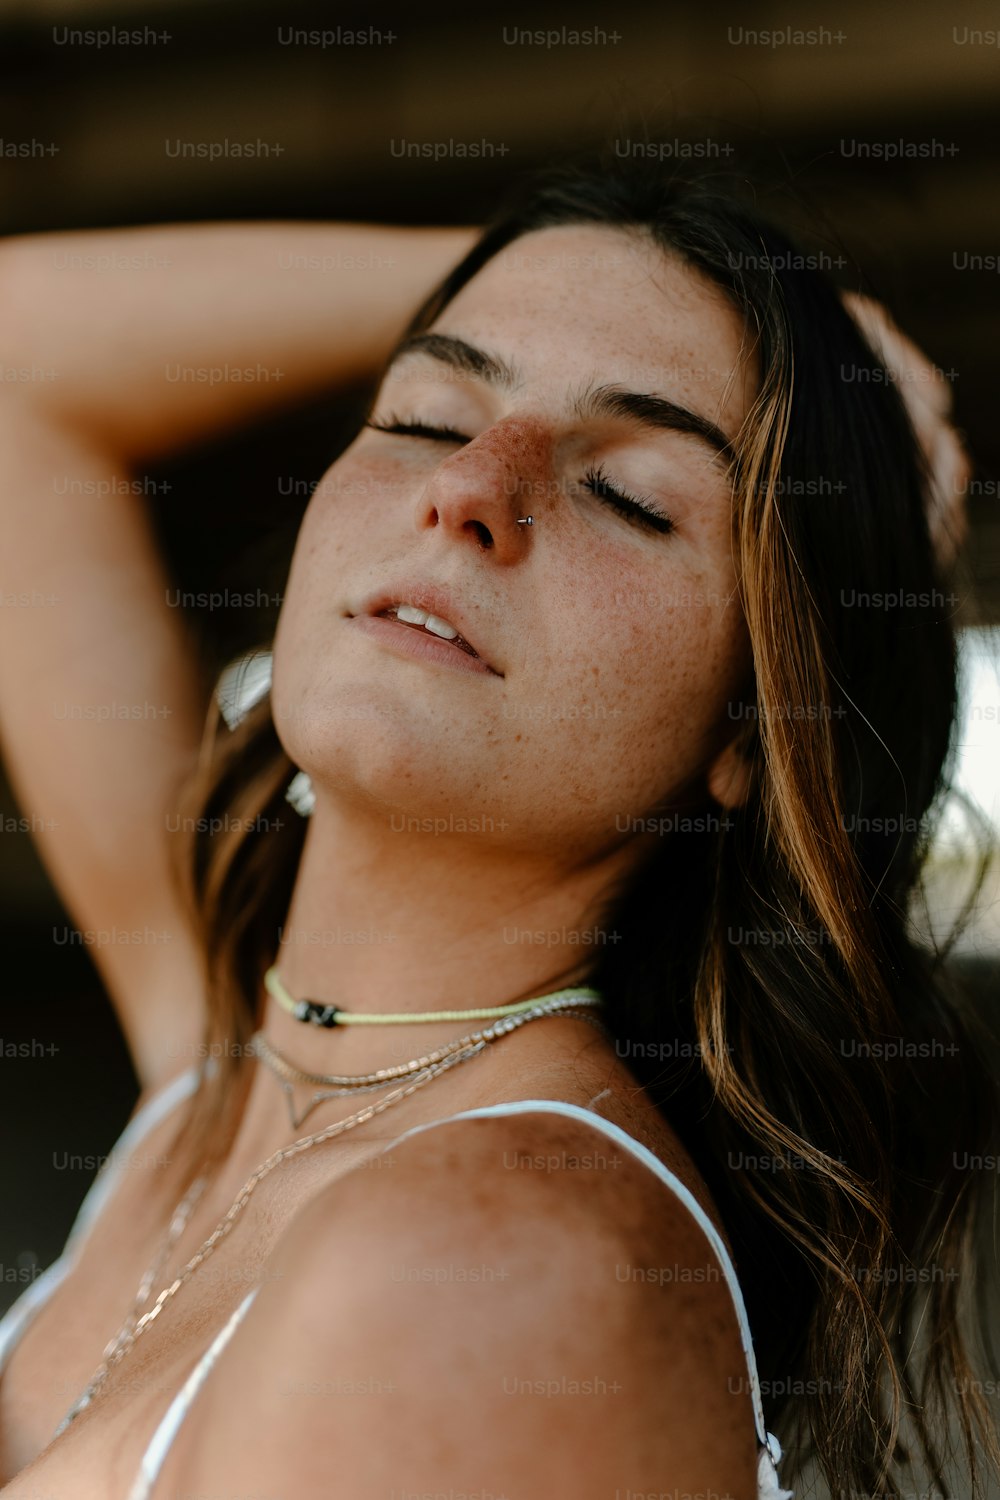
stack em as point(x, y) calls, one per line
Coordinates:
point(620, 648)
point(584, 611)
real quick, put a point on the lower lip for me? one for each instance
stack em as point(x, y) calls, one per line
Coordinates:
point(408, 640)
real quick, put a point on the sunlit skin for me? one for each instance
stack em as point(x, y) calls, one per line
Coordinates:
point(620, 646)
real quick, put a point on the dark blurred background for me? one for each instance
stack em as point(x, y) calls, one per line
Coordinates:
point(106, 116)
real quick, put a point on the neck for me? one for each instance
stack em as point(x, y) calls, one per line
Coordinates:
point(387, 922)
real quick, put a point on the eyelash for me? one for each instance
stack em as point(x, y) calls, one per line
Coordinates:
point(631, 507)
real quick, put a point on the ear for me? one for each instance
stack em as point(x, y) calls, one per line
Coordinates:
point(729, 776)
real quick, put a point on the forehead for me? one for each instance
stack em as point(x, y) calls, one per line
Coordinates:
point(576, 303)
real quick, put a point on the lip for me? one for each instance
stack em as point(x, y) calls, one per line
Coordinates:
point(406, 640)
point(436, 601)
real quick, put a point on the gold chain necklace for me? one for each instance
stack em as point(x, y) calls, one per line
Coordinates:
point(337, 1085)
point(134, 1325)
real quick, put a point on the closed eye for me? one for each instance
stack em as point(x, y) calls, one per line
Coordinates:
point(630, 507)
point(420, 429)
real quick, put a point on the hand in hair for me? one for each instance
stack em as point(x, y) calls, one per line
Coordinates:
point(927, 397)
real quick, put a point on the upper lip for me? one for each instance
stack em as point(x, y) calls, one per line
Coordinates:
point(436, 601)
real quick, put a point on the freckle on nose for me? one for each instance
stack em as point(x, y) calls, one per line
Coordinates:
point(520, 441)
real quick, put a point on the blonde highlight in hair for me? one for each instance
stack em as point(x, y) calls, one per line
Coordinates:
point(799, 806)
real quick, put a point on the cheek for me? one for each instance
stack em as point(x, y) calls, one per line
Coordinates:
point(308, 616)
point(348, 500)
point(336, 532)
point(652, 689)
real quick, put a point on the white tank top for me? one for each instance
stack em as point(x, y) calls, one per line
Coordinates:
point(20, 1314)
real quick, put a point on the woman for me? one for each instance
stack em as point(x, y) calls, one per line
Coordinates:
point(633, 464)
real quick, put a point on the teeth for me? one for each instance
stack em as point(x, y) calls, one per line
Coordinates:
point(411, 615)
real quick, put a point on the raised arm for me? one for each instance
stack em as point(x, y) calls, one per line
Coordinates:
point(118, 348)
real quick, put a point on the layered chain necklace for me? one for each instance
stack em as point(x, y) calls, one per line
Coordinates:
point(420, 1071)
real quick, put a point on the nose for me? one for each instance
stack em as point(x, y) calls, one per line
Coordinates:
point(489, 485)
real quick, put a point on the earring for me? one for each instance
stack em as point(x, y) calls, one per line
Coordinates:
point(242, 685)
point(301, 795)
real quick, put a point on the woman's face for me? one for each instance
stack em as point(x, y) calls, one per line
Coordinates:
point(578, 357)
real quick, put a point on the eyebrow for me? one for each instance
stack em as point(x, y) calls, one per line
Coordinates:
point(612, 400)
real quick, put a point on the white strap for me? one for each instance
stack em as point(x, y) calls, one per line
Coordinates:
point(623, 1139)
point(166, 1431)
point(767, 1476)
point(19, 1315)
point(141, 1124)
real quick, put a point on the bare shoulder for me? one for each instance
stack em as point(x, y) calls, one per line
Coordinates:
point(525, 1309)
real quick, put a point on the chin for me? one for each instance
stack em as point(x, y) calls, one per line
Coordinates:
point(362, 750)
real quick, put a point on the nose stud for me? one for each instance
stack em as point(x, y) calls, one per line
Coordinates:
point(526, 521)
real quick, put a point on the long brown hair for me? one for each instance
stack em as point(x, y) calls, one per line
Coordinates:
point(768, 991)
